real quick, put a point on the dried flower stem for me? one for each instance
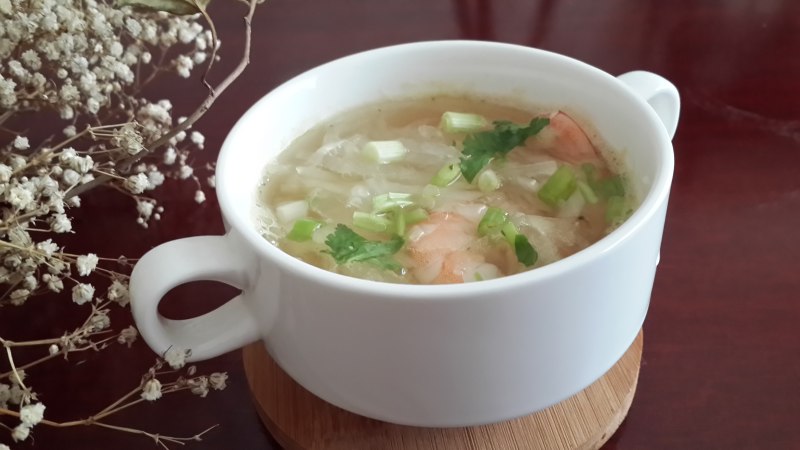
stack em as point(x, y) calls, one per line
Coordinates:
point(158, 438)
point(83, 332)
point(14, 368)
point(194, 117)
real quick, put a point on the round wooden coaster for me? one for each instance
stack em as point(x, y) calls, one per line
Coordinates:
point(301, 421)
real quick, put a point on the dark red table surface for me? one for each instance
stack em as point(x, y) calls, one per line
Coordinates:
point(721, 363)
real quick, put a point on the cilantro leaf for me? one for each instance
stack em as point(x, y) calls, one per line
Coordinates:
point(348, 246)
point(481, 147)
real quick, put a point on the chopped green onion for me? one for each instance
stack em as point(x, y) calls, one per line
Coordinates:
point(587, 192)
point(415, 215)
point(614, 185)
point(303, 230)
point(590, 171)
point(610, 187)
point(399, 222)
point(492, 221)
point(455, 122)
point(384, 152)
point(291, 211)
point(488, 181)
point(509, 231)
point(616, 210)
point(495, 221)
point(430, 190)
point(558, 187)
point(402, 218)
point(427, 198)
point(526, 254)
point(387, 202)
point(370, 222)
point(447, 175)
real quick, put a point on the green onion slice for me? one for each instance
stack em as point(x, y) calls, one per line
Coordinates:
point(303, 230)
point(415, 216)
point(456, 122)
point(587, 192)
point(447, 175)
point(558, 187)
point(488, 181)
point(509, 231)
point(384, 152)
point(492, 221)
point(371, 222)
point(526, 254)
point(387, 202)
point(616, 209)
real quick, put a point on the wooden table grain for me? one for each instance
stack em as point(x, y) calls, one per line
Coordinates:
point(721, 363)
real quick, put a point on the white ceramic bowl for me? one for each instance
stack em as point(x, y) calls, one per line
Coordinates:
point(449, 355)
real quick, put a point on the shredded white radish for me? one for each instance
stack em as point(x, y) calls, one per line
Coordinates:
point(291, 211)
point(573, 207)
point(470, 211)
point(483, 271)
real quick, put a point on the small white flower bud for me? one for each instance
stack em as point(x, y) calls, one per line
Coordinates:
point(70, 177)
point(128, 336)
point(60, 223)
point(169, 156)
point(218, 380)
point(21, 143)
point(185, 172)
point(86, 264)
point(20, 432)
point(31, 415)
point(151, 390)
point(136, 184)
point(176, 357)
point(82, 293)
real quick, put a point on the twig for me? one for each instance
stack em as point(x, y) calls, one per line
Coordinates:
point(5, 116)
point(94, 421)
point(214, 43)
point(14, 369)
point(194, 117)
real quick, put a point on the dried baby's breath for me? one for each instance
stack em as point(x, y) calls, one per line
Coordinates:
point(86, 63)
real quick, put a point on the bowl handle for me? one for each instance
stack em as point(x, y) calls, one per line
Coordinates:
point(659, 93)
point(214, 258)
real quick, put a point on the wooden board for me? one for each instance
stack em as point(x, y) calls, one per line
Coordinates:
point(301, 421)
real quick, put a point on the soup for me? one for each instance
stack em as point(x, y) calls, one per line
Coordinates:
point(442, 189)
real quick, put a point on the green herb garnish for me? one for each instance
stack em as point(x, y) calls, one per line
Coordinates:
point(347, 246)
point(482, 147)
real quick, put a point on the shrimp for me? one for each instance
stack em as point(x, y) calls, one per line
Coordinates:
point(570, 142)
point(440, 251)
